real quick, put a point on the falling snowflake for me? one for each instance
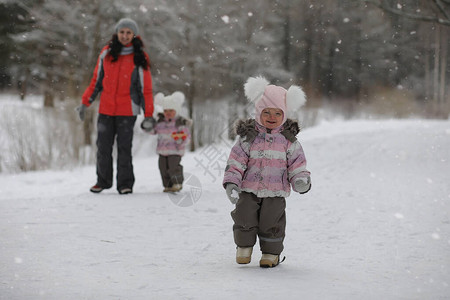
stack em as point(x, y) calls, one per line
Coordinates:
point(435, 236)
point(399, 216)
point(143, 8)
point(18, 260)
point(226, 19)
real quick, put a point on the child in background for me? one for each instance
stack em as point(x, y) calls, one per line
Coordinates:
point(266, 160)
point(173, 136)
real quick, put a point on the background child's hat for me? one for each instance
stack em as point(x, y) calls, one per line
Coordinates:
point(264, 95)
point(174, 101)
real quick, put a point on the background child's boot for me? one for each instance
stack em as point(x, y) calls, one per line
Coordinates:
point(176, 187)
point(244, 255)
point(269, 260)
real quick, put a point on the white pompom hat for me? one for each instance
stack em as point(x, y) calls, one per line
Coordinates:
point(265, 95)
point(174, 101)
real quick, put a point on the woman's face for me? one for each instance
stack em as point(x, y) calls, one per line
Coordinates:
point(271, 117)
point(125, 36)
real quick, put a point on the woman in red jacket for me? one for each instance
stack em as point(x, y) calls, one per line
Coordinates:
point(122, 79)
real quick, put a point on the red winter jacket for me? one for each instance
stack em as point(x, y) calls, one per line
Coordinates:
point(124, 88)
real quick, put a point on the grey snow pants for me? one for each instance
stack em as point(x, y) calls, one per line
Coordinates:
point(171, 170)
point(262, 217)
point(119, 129)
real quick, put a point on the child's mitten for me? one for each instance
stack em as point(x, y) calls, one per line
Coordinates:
point(302, 185)
point(232, 192)
point(148, 124)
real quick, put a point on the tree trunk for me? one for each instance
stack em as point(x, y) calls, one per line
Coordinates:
point(191, 97)
point(437, 47)
point(49, 99)
point(427, 67)
point(442, 84)
point(287, 38)
point(88, 125)
point(22, 83)
point(49, 95)
point(329, 74)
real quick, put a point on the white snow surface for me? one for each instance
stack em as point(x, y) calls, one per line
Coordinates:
point(375, 225)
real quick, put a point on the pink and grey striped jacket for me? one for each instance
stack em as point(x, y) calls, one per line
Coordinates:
point(170, 135)
point(263, 163)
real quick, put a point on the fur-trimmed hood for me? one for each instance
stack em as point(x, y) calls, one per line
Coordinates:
point(247, 129)
point(179, 120)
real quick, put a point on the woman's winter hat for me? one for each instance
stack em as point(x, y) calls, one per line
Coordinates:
point(174, 101)
point(265, 95)
point(127, 23)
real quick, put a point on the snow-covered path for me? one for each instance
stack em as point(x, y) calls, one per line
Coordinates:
point(376, 225)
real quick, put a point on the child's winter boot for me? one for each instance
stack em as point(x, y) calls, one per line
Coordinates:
point(269, 260)
point(244, 255)
point(177, 187)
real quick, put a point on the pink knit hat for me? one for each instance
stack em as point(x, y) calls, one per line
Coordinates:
point(258, 90)
point(273, 97)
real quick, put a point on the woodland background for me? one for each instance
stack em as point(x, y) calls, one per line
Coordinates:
point(354, 59)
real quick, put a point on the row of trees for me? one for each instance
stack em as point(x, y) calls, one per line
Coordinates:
point(335, 49)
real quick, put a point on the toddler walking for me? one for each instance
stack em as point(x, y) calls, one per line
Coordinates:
point(266, 160)
point(173, 136)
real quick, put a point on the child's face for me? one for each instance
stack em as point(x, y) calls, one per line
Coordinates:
point(271, 117)
point(169, 113)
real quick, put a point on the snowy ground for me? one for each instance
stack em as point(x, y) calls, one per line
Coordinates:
point(376, 225)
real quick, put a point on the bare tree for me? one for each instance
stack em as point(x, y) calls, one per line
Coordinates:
point(437, 12)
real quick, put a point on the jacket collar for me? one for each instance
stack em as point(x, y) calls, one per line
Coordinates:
point(263, 129)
